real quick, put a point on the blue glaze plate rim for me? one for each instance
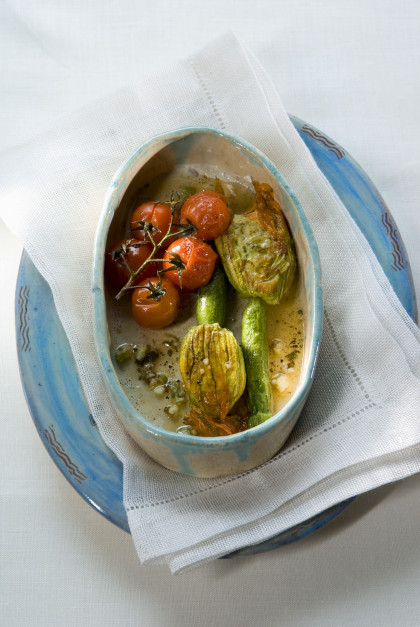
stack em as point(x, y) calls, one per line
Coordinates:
point(51, 384)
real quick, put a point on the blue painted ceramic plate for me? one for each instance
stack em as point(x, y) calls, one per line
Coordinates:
point(52, 386)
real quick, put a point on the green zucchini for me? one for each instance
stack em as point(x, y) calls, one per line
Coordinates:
point(211, 300)
point(255, 351)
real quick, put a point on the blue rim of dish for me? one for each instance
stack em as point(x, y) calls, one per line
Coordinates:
point(59, 411)
point(112, 201)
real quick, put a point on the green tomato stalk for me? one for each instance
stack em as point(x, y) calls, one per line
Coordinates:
point(149, 228)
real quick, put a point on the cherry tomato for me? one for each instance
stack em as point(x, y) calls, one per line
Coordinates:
point(135, 253)
point(198, 258)
point(155, 312)
point(209, 212)
point(159, 215)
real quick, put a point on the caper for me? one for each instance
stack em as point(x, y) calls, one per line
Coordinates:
point(124, 352)
point(141, 352)
point(162, 377)
point(172, 385)
point(171, 411)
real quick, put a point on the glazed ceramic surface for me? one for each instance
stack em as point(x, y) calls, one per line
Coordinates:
point(212, 153)
point(60, 413)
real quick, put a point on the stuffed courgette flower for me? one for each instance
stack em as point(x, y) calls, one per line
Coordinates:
point(257, 249)
point(212, 367)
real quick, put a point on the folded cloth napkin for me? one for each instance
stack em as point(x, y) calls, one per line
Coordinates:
point(360, 427)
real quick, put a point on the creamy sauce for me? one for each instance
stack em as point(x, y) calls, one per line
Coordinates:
point(285, 326)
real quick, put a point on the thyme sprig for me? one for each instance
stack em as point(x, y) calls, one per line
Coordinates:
point(184, 229)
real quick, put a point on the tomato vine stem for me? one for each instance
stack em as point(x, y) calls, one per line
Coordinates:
point(148, 227)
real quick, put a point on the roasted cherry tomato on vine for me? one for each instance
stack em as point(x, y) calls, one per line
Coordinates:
point(207, 211)
point(155, 303)
point(157, 214)
point(135, 254)
point(198, 261)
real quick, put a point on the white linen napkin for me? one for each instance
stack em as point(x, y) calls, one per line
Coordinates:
point(360, 427)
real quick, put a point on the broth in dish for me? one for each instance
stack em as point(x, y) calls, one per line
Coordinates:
point(147, 360)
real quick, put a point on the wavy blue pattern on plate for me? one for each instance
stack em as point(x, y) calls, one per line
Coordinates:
point(367, 208)
point(56, 400)
point(52, 386)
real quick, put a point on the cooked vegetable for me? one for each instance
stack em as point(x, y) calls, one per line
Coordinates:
point(257, 254)
point(212, 367)
point(209, 212)
point(257, 249)
point(198, 261)
point(255, 352)
point(158, 214)
point(155, 303)
point(157, 234)
point(211, 300)
point(124, 352)
point(127, 254)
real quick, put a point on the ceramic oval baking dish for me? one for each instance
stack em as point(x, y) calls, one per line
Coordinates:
point(219, 154)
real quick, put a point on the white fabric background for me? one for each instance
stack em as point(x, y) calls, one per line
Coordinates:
point(352, 70)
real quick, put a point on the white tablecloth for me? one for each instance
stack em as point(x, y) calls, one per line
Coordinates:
point(349, 68)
